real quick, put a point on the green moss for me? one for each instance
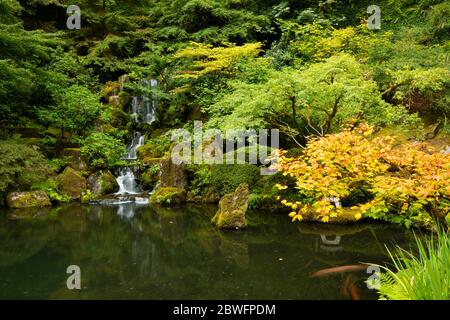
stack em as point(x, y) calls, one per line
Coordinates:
point(28, 199)
point(232, 209)
point(71, 183)
point(155, 148)
point(226, 178)
point(168, 195)
point(150, 177)
point(51, 188)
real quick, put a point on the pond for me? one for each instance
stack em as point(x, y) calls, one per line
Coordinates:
point(136, 251)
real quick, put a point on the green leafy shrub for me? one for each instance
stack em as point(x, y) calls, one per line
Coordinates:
point(226, 178)
point(51, 188)
point(102, 150)
point(74, 111)
point(200, 178)
point(21, 166)
point(155, 148)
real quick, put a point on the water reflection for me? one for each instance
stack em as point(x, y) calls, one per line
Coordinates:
point(140, 251)
point(327, 245)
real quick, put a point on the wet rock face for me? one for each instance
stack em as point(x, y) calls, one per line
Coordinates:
point(71, 183)
point(28, 199)
point(232, 209)
point(172, 175)
point(102, 183)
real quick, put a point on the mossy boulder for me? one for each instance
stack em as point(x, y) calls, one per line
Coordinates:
point(75, 159)
point(27, 199)
point(232, 209)
point(172, 175)
point(111, 89)
point(71, 183)
point(168, 195)
point(150, 177)
point(102, 183)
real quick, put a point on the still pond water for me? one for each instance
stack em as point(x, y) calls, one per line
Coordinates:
point(133, 251)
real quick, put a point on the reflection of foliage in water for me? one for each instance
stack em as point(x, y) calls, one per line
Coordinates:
point(164, 253)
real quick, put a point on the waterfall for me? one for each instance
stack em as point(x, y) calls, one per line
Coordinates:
point(143, 109)
point(138, 141)
point(127, 182)
point(134, 109)
point(149, 105)
point(144, 105)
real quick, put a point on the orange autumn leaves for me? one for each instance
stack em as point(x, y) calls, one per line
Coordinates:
point(406, 179)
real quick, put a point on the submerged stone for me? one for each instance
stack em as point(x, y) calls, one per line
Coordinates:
point(71, 183)
point(232, 209)
point(28, 199)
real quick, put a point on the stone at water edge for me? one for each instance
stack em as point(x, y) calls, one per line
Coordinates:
point(71, 183)
point(168, 195)
point(232, 209)
point(28, 199)
point(102, 183)
point(172, 175)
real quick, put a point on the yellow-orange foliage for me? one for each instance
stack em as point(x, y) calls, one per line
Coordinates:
point(406, 182)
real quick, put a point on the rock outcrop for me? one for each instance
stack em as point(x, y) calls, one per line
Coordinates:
point(71, 183)
point(102, 183)
point(232, 209)
point(172, 175)
point(28, 199)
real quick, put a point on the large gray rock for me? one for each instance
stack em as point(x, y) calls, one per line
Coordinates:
point(172, 175)
point(71, 183)
point(232, 209)
point(28, 199)
point(102, 183)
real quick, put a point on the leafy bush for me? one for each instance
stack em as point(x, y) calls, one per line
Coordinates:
point(51, 188)
point(406, 184)
point(316, 100)
point(74, 111)
point(102, 150)
point(21, 166)
point(226, 178)
point(155, 148)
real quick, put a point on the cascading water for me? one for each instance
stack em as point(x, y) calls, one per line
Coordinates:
point(134, 109)
point(143, 109)
point(149, 105)
point(127, 182)
point(138, 141)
